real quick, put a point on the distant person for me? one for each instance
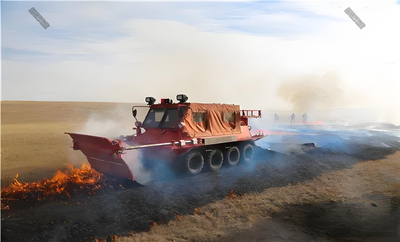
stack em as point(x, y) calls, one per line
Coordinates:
point(305, 118)
point(276, 116)
point(292, 118)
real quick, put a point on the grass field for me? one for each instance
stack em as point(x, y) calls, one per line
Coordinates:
point(33, 143)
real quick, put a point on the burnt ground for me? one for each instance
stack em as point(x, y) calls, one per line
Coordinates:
point(327, 222)
point(132, 207)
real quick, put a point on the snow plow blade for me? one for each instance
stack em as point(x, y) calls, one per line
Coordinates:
point(104, 155)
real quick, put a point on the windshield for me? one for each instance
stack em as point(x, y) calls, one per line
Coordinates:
point(161, 118)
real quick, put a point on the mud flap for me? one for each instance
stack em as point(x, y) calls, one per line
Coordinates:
point(103, 154)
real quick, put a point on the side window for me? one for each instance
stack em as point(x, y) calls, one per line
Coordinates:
point(198, 117)
point(230, 117)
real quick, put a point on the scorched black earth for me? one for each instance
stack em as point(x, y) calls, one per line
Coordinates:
point(130, 207)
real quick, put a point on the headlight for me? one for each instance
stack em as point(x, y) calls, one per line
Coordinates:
point(150, 100)
point(182, 98)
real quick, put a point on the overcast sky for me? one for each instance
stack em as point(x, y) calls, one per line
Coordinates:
point(257, 54)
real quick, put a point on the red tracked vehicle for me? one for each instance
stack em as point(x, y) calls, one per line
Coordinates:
point(187, 136)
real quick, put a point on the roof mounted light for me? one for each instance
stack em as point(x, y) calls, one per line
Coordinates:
point(182, 98)
point(150, 100)
point(166, 101)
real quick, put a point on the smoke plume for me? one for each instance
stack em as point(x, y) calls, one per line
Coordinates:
point(311, 93)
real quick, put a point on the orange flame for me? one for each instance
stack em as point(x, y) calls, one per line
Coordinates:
point(63, 183)
point(177, 216)
point(232, 194)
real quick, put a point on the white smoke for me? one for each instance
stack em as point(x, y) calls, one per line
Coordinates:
point(112, 124)
point(140, 173)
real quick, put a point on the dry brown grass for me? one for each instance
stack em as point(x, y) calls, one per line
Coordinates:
point(33, 143)
point(235, 213)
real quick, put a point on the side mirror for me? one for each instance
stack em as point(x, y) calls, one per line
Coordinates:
point(134, 113)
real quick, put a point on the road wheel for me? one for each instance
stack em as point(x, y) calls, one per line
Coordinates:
point(194, 162)
point(214, 160)
point(232, 156)
point(247, 153)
